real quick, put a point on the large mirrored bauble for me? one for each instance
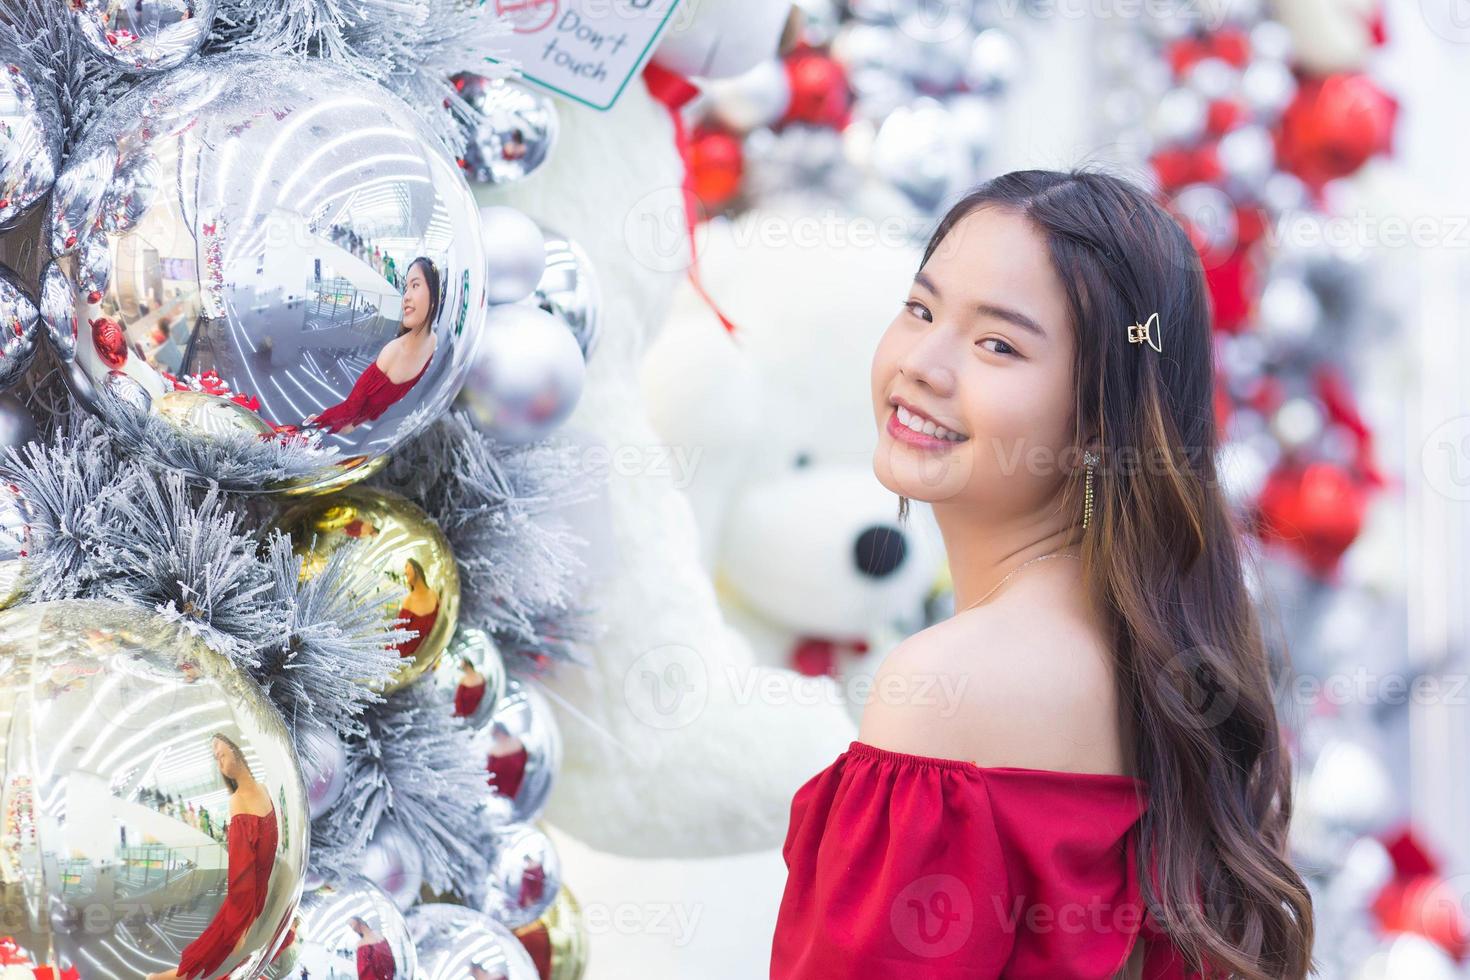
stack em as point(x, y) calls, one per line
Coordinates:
point(522, 751)
point(458, 943)
point(346, 928)
point(524, 876)
point(154, 812)
point(569, 290)
point(30, 135)
point(515, 133)
point(281, 234)
point(472, 672)
point(401, 556)
point(143, 35)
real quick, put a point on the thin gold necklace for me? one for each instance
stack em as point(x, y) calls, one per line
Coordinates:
point(1050, 554)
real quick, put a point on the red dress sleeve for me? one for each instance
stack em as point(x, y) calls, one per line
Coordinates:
point(902, 866)
point(252, 854)
point(467, 699)
point(371, 396)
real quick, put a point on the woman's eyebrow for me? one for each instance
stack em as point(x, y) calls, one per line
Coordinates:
point(990, 309)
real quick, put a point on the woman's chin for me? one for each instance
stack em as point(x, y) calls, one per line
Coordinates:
point(923, 478)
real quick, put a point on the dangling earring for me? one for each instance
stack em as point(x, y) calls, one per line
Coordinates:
point(1091, 459)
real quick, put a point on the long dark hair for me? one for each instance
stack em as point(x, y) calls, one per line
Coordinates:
point(1162, 555)
point(431, 280)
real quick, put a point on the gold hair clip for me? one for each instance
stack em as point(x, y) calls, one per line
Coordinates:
point(1140, 332)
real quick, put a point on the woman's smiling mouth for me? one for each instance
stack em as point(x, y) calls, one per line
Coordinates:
point(911, 428)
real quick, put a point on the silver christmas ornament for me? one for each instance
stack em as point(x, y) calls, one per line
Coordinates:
point(515, 253)
point(1209, 212)
point(513, 132)
point(30, 135)
point(458, 943)
point(473, 674)
point(524, 877)
point(324, 766)
point(346, 927)
point(280, 235)
point(522, 749)
point(393, 862)
point(59, 312)
point(161, 779)
point(995, 61)
point(1178, 117)
point(528, 376)
point(143, 35)
point(1247, 155)
point(569, 290)
point(18, 321)
point(919, 151)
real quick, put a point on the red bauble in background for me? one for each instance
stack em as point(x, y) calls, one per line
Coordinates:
point(716, 163)
point(110, 342)
point(1315, 509)
point(819, 92)
point(1425, 905)
point(1333, 126)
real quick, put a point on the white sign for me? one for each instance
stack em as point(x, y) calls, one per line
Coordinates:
point(586, 50)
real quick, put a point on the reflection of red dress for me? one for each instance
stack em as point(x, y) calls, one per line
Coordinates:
point(369, 398)
point(420, 625)
point(467, 699)
point(533, 886)
point(506, 771)
point(253, 841)
point(375, 961)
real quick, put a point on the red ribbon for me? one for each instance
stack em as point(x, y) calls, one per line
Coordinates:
point(674, 90)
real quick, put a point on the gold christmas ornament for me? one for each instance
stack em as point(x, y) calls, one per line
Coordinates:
point(400, 555)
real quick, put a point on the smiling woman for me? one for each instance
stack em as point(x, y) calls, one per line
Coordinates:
point(1081, 811)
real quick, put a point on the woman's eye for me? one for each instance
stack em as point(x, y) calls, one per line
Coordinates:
point(919, 310)
point(1005, 348)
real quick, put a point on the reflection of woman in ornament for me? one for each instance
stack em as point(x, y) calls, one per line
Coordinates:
point(401, 362)
point(507, 762)
point(420, 607)
point(374, 955)
point(533, 882)
point(515, 147)
point(470, 691)
point(253, 837)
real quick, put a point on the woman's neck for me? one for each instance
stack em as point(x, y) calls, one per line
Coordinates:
point(982, 553)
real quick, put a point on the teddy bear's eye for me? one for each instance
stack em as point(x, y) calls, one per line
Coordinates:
point(803, 459)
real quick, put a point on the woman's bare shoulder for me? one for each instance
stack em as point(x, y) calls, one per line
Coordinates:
point(1000, 686)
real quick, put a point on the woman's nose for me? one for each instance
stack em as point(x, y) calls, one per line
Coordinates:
point(929, 360)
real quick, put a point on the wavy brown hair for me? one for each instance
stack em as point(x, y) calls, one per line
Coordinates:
point(1162, 556)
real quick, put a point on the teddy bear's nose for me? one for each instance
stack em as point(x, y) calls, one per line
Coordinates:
point(880, 549)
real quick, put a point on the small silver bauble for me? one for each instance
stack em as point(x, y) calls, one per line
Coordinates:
point(458, 943)
point(324, 766)
point(30, 135)
point(18, 322)
point(569, 290)
point(472, 672)
point(522, 749)
point(143, 35)
point(392, 861)
point(515, 254)
point(528, 376)
point(346, 927)
point(515, 130)
point(524, 876)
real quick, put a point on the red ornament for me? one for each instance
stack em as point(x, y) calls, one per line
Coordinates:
point(110, 342)
point(1315, 509)
point(1333, 126)
point(716, 164)
point(819, 92)
point(1232, 285)
point(1427, 906)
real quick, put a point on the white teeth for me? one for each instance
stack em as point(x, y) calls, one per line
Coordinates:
point(925, 426)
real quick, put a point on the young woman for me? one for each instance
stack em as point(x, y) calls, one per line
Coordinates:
point(401, 362)
point(420, 608)
point(253, 837)
point(1106, 793)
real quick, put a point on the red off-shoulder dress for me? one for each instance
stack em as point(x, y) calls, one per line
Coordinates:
point(375, 961)
point(422, 626)
point(252, 855)
point(370, 397)
point(903, 867)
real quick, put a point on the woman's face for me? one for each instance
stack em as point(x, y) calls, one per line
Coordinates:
point(983, 347)
point(224, 758)
point(415, 299)
point(410, 575)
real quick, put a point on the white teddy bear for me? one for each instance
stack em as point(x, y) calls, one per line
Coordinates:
point(809, 558)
